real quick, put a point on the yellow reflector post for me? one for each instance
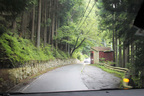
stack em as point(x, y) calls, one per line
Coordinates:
point(126, 80)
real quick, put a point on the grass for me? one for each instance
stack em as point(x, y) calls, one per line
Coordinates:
point(116, 73)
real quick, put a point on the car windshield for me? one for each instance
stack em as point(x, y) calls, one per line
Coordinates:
point(71, 45)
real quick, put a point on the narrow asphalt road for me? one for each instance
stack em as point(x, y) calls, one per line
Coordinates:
point(95, 78)
point(71, 78)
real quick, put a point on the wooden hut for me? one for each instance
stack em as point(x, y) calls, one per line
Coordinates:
point(101, 54)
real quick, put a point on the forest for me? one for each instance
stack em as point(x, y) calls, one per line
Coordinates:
point(44, 30)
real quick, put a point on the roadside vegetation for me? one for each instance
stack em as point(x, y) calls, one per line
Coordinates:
point(15, 49)
point(116, 73)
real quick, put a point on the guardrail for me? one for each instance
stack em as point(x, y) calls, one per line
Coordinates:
point(119, 69)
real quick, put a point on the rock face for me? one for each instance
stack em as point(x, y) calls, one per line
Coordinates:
point(11, 77)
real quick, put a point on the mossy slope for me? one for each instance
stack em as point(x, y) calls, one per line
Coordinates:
point(16, 50)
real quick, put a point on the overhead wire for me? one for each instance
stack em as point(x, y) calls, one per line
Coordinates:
point(87, 15)
point(83, 23)
point(84, 38)
point(83, 14)
point(84, 11)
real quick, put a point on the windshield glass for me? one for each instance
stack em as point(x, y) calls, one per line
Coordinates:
point(70, 45)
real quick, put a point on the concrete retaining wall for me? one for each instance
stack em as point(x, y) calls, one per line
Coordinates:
point(11, 77)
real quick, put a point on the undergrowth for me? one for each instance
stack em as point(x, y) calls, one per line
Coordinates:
point(19, 50)
point(79, 55)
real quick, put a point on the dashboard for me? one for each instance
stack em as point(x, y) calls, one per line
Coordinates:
point(128, 92)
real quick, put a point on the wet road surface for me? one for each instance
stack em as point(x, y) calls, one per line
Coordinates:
point(95, 78)
point(71, 78)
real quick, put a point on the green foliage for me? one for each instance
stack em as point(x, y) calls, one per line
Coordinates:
point(102, 60)
point(60, 54)
point(21, 50)
point(47, 51)
point(118, 74)
point(57, 54)
point(86, 56)
point(137, 81)
point(78, 55)
point(1, 79)
point(48, 22)
point(63, 54)
point(110, 63)
point(65, 31)
point(77, 32)
point(2, 29)
point(14, 7)
point(69, 9)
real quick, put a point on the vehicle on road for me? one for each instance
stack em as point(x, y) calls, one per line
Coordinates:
point(87, 61)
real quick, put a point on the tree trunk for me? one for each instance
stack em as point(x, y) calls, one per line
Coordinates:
point(120, 54)
point(42, 20)
point(132, 53)
point(114, 37)
point(49, 40)
point(56, 44)
point(23, 24)
point(14, 25)
point(49, 32)
point(45, 26)
point(126, 56)
point(53, 24)
point(68, 46)
point(116, 52)
point(33, 23)
point(76, 47)
point(132, 59)
point(39, 23)
point(123, 65)
point(113, 45)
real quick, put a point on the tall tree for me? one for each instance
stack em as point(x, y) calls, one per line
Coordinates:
point(23, 24)
point(120, 54)
point(45, 23)
point(33, 23)
point(39, 23)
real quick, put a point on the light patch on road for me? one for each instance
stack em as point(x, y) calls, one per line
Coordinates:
point(83, 67)
point(95, 78)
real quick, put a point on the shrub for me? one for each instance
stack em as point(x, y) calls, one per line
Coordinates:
point(78, 55)
point(60, 54)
